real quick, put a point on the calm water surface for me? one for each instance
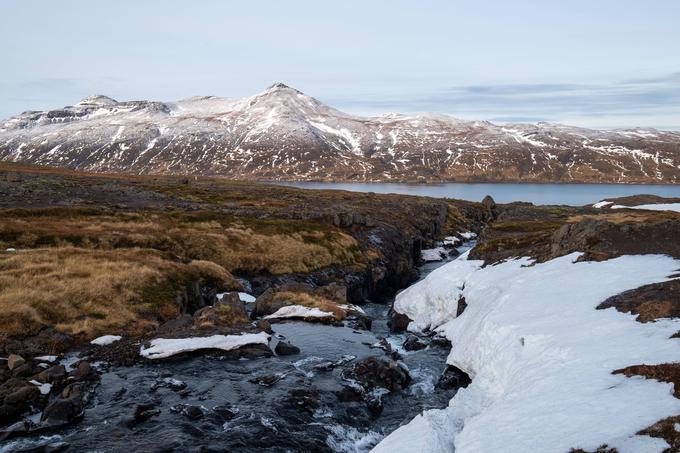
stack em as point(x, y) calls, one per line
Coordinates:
point(569, 194)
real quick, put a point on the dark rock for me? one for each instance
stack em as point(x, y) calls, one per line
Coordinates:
point(52, 374)
point(267, 380)
point(304, 399)
point(23, 371)
point(462, 305)
point(349, 393)
point(142, 413)
point(440, 341)
point(453, 378)
point(225, 412)
point(22, 395)
point(190, 411)
point(283, 348)
point(264, 325)
point(83, 371)
point(67, 407)
point(398, 322)
point(373, 372)
point(413, 343)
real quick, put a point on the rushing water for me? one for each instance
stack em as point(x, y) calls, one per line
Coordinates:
point(239, 415)
point(566, 194)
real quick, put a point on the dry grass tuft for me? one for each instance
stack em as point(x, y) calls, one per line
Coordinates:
point(92, 292)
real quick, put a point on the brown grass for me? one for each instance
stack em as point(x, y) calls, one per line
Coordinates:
point(93, 292)
point(246, 245)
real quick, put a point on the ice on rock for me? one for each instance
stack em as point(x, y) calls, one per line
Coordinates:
point(166, 347)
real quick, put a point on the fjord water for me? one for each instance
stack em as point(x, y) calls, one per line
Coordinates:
point(540, 194)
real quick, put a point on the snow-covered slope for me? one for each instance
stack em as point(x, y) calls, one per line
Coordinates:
point(283, 134)
point(541, 359)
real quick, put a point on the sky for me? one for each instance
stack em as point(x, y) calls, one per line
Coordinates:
point(595, 63)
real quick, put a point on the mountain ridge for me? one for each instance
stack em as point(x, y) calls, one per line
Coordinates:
point(283, 134)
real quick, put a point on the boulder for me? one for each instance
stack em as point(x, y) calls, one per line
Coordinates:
point(413, 343)
point(284, 348)
point(14, 361)
point(373, 372)
point(398, 322)
point(453, 378)
point(52, 374)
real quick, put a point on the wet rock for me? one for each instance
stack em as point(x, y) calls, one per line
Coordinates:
point(373, 372)
point(19, 428)
point(413, 343)
point(14, 361)
point(441, 342)
point(360, 322)
point(264, 325)
point(52, 374)
point(284, 348)
point(349, 393)
point(267, 380)
point(67, 407)
point(142, 413)
point(304, 399)
point(226, 412)
point(23, 371)
point(453, 378)
point(83, 371)
point(190, 411)
point(398, 322)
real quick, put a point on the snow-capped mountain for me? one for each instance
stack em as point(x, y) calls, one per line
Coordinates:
point(283, 134)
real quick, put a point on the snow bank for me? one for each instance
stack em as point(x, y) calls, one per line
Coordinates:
point(432, 301)
point(166, 347)
point(652, 207)
point(435, 254)
point(602, 204)
point(299, 311)
point(468, 235)
point(105, 340)
point(540, 357)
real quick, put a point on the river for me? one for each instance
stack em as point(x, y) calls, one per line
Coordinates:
point(237, 414)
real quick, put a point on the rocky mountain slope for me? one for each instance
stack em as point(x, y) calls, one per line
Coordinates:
point(284, 134)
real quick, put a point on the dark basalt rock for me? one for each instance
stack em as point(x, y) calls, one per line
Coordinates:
point(67, 407)
point(190, 411)
point(142, 413)
point(283, 348)
point(373, 372)
point(304, 399)
point(413, 343)
point(453, 378)
point(398, 322)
